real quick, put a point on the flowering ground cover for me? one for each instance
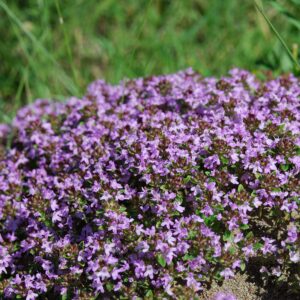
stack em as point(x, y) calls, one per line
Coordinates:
point(151, 189)
point(49, 44)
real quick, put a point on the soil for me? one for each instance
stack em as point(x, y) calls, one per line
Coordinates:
point(245, 288)
point(238, 286)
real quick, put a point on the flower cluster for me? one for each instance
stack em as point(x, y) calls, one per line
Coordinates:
point(152, 188)
point(224, 296)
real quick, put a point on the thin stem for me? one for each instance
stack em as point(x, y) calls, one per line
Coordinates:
point(67, 41)
point(289, 52)
point(68, 82)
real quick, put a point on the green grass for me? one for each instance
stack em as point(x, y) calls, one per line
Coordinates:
point(54, 49)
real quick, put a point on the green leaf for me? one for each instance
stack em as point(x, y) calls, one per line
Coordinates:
point(277, 34)
point(149, 294)
point(284, 167)
point(44, 219)
point(240, 188)
point(109, 286)
point(192, 234)
point(210, 220)
point(179, 198)
point(227, 236)
point(219, 208)
point(257, 246)
point(218, 276)
point(243, 266)
point(232, 250)
point(244, 226)
point(163, 188)
point(175, 213)
point(187, 257)
point(161, 260)
point(294, 22)
point(64, 296)
point(122, 208)
point(249, 235)
point(224, 160)
point(258, 176)
point(158, 224)
point(253, 194)
point(187, 179)
point(280, 8)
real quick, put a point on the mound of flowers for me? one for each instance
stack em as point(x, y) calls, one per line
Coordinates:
point(152, 188)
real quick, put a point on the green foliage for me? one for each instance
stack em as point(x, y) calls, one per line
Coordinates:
point(281, 9)
point(243, 266)
point(161, 260)
point(257, 246)
point(240, 188)
point(284, 167)
point(53, 49)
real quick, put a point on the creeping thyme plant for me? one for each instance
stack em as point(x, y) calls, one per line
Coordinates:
point(152, 188)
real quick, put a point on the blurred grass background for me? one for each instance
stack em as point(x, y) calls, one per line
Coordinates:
point(55, 48)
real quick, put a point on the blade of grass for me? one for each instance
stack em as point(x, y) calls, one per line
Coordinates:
point(279, 37)
point(71, 87)
point(30, 59)
point(139, 32)
point(67, 41)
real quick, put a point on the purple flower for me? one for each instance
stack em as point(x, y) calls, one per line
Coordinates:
point(149, 272)
point(224, 296)
point(5, 260)
point(292, 234)
point(295, 256)
point(139, 269)
point(193, 283)
point(179, 208)
point(103, 273)
point(153, 180)
point(268, 246)
point(211, 162)
point(227, 273)
point(143, 247)
point(4, 130)
point(31, 295)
